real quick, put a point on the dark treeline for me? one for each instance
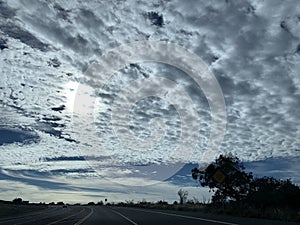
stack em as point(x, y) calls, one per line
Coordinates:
point(239, 192)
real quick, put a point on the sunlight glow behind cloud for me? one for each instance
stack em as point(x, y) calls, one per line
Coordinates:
point(252, 47)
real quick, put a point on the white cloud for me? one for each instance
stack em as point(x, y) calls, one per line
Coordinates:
point(60, 188)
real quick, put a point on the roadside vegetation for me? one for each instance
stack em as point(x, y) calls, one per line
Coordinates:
point(17, 207)
point(236, 193)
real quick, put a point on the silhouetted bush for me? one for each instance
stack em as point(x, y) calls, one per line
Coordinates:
point(100, 203)
point(17, 201)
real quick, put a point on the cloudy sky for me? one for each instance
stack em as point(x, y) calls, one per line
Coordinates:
point(68, 134)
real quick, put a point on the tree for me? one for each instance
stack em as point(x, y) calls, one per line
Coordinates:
point(270, 192)
point(100, 203)
point(227, 176)
point(182, 195)
point(18, 201)
point(291, 194)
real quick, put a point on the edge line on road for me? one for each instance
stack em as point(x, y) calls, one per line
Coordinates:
point(85, 218)
point(124, 217)
point(67, 217)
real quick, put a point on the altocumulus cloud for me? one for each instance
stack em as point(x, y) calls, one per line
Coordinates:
point(252, 47)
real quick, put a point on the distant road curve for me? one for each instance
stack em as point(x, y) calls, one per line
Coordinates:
point(104, 215)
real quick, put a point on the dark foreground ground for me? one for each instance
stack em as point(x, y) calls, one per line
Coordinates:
point(95, 215)
point(7, 210)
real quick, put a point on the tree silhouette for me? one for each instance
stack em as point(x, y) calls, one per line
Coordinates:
point(100, 203)
point(227, 176)
point(182, 195)
point(270, 192)
point(18, 201)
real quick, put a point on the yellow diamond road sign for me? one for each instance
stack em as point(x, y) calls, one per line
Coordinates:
point(219, 176)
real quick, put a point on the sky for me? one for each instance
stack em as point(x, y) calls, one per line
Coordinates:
point(79, 126)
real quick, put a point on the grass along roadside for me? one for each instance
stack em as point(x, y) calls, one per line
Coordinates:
point(7, 210)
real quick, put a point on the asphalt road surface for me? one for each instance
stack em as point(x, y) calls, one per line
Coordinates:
point(104, 215)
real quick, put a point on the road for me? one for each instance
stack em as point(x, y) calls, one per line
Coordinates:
point(53, 215)
point(104, 215)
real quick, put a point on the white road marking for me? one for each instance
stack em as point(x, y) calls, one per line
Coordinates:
point(67, 217)
point(85, 218)
point(124, 217)
point(189, 217)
